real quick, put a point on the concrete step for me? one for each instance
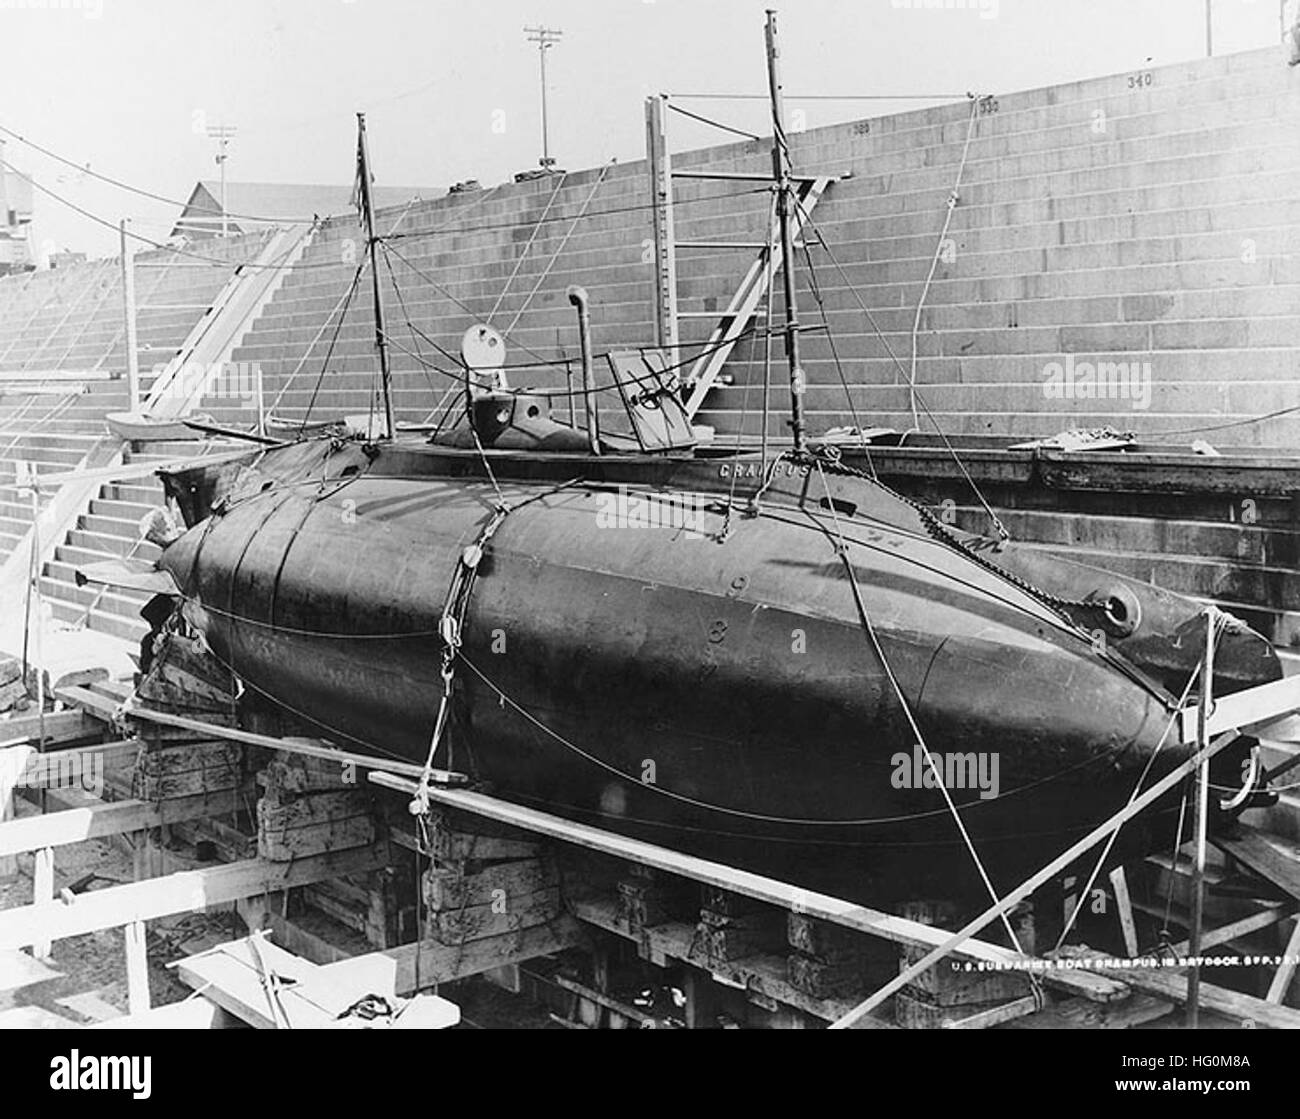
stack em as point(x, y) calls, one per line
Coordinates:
point(100, 621)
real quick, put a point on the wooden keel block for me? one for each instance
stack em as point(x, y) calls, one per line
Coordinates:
point(300, 773)
point(914, 1012)
point(822, 980)
point(454, 887)
point(191, 769)
point(954, 982)
point(308, 825)
point(727, 943)
point(453, 837)
point(477, 922)
point(644, 902)
point(834, 944)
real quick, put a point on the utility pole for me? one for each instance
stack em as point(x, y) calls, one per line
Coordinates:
point(781, 172)
point(128, 311)
point(545, 38)
point(1209, 28)
point(223, 134)
point(381, 336)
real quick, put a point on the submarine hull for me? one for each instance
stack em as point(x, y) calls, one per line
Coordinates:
point(735, 686)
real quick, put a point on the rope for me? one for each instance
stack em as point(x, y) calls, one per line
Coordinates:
point(451, 629)
point(934, 261)
point(1136, 792)
point(346, 297)
point(537, 228)
point(329, 353)
point(841, 551)
point(999, 528)
point(712, 123)
point(600, 179)
point(835, 356)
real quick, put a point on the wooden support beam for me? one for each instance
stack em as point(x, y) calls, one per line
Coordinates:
point(296, 746)
point(1168, 984)
point(427, 963)
point(763, 975)
point(1227, 933)
point(43, 894)
point(1124, 904)
point(182, 892)
point(99, 821)
point(137, 968)
point(783, 894)
point(60, 726)
point(1250, 710)
point(189, 1014)
point(953, 943)
point(1286, 970)
point(13, 764)
point(1272, 859)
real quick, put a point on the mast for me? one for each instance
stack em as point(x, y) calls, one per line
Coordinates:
point(781, 172)
point(368, 213)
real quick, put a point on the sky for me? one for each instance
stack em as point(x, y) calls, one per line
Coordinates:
point(451, 87)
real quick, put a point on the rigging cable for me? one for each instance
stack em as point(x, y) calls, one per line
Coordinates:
point(951, 206)
point(537, 228)
point(712, 123)
point(865, 446)
point(342, 300)
point(999, 528)
point(842, 553)
point(600, 179)
point(1137, 790)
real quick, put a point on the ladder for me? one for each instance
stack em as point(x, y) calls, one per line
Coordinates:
point(744, 304)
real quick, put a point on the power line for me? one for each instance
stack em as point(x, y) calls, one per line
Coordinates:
point(85, 169)
point(823, 96)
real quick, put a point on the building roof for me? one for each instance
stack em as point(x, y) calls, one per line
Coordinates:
point(282, 202)
point(17, 194)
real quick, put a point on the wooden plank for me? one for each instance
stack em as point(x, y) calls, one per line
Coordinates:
point(446, 889)
point(1167, 984)
point(1286, 969)
point(1228, 933)
point(296, 746)
point(99, 821)
point(1081, 1014)
point(1119, 884)
point(1250, 710)
point(476, 922)
point(1279, 865)
point(42, 893)
point(60, 726)
point(182, 892)
point(19, 970)
point(428, 963)
point(864, 920)
point(14, 761)
point(137, 968)
point(763, 975)
point(1040, 878)
point(997, 1015)
point(188, 1014)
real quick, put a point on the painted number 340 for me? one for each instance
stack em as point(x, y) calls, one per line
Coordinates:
point(1140, 81)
